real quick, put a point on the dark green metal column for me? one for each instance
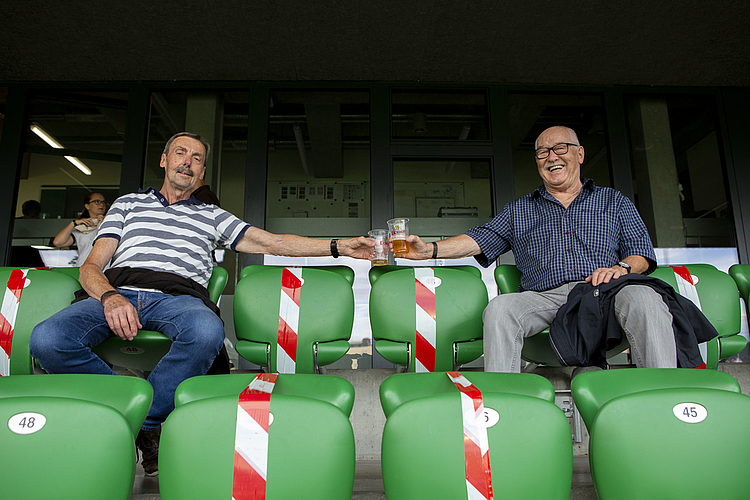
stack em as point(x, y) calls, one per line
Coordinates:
point(11, 151)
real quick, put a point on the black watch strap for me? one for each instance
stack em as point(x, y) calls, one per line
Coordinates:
point(334, 248)
point(625, 266)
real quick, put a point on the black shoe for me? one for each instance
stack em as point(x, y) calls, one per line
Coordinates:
point(148, 442)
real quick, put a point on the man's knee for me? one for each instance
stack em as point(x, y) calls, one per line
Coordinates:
point(45, 340)
point(207, 332)
point(500, 307)
point(636, 298)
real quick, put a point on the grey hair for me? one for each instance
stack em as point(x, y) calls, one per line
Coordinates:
point(571, 132)
point(189, 135)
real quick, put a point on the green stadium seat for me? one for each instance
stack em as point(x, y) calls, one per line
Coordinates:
point(732, 345)
point(145, 351)
point(45, 294)
point(73, 272)
point(592, 390)
point(345, 271)
point(131, 396)
point(720, 303)
point(326, 316)
point(460, 299)
point(402, 387)
point(378, 271)
point(530, 449)
point(70, 436)
point(310, 450)
point(329, 388)
point(672, 444)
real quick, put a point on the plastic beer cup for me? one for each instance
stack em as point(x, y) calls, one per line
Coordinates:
point(399, 230)
point(380, 252)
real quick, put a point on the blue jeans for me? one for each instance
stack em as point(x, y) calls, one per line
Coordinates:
point(63, 343)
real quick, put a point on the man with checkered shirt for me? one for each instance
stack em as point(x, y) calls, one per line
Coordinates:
point(565, 232)
point(159, 245)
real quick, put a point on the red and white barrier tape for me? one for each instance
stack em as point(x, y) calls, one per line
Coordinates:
point(8, 313)
point(426, 310)
point(476, 443)
point(251, 439)
point(686, 287)
point(286, 350)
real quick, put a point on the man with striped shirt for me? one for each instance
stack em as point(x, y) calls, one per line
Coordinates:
point(566, 232)
point(159, 246)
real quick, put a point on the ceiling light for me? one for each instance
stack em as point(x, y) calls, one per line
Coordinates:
point(46, 137)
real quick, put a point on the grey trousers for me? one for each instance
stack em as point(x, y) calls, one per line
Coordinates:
point(641, 313)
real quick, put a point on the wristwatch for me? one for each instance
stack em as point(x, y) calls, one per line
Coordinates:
point(625, 266)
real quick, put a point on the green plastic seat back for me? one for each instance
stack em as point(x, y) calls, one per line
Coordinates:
point(326, 315)
point(345, 271)
point(310, 450)
point(536, 349)
point(639, 448)
point(378, 271)
point(740, 273)
point(460, 299)
point(83, 450)
point(403, 387)
point(73, 272)
point(717, 292)
point(131, 396)
point(147, 348)
point(592, 390)
point(217, 283)
point(508, 278)
point(530, 449)
point(720, 303)
point(329, 388)
point(45, 294)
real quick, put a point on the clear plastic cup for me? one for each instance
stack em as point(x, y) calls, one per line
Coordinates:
point(399, 230)
point(380, 251)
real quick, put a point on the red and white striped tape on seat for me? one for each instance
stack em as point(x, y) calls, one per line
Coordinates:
point(686, 287)
point(291, 290)
point(251, 439)
point(426, 310)
point(8, 313)
point(476, 443)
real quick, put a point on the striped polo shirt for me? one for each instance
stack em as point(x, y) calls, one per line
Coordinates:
point(178, 238)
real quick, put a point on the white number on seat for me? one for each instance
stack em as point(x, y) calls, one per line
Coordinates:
point(691, 413)
point(26, 423)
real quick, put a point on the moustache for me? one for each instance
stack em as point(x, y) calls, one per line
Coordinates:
point(184, 170)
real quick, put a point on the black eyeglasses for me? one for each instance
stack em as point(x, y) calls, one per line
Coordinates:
point(98, 202)
point(559, 149)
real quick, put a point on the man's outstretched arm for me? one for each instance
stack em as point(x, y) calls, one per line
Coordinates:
point(256, 240)
point(455, 247)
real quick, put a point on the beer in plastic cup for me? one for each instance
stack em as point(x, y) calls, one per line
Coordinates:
point(380, 251)
point(399, 230)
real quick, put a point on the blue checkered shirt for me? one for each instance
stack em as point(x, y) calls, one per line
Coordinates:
point(553, 245)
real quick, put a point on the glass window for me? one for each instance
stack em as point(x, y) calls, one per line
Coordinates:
point(442, 198)
point(531, 114)
point(73, 147)
point(440, 115)
point(319, 186)
point(319, 163)
point(678, 172)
